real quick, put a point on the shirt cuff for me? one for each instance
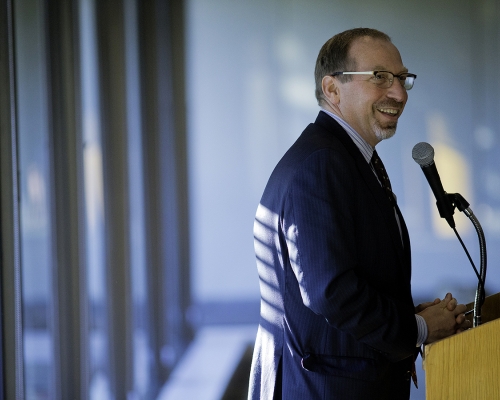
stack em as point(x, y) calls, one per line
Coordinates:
point(422, 330)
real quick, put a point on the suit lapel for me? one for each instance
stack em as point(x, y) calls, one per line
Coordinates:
point(406, 241)
point(372, 183)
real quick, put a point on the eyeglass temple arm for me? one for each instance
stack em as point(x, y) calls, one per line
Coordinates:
point(354, 73)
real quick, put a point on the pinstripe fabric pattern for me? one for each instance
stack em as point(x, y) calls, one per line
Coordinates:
point(337, 317)
point(367, 151)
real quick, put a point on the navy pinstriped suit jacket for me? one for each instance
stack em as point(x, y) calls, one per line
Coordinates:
point(337, 316)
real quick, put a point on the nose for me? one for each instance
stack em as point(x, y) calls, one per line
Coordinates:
point(397, 91)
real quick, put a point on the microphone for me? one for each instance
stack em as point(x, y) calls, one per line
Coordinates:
point(423, 154)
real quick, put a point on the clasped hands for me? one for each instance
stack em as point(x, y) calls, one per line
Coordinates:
point(443, 317)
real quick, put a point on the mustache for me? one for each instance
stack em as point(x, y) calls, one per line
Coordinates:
point(390, 104)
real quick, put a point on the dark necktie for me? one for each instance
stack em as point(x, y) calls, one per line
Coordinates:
point(378, 166)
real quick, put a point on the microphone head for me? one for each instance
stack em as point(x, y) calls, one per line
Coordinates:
point(423, 154)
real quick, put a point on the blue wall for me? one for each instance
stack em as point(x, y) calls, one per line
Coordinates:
point(251, 93)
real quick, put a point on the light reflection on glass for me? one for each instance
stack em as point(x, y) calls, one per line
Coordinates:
point(94, 208)
point(35, 212)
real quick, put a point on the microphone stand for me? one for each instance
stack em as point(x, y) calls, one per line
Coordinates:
point(462, 205)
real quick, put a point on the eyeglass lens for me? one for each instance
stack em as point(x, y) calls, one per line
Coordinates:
point(385, 80)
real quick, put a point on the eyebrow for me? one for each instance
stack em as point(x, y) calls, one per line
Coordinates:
point(381, 68)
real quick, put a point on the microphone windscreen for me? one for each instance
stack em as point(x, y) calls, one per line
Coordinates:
point(423, 154)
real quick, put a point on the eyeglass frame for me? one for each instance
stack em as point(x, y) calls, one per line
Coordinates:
point(374, 73)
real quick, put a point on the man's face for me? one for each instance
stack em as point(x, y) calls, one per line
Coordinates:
point(373, 111)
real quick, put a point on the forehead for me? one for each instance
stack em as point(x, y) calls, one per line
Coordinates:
point(373, 54)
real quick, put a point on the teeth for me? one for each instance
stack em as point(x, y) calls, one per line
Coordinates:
point(388, 111)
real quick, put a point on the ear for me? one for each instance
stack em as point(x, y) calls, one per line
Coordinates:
point(331, 90)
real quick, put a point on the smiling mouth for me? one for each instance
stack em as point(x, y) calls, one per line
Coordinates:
point(389, 111)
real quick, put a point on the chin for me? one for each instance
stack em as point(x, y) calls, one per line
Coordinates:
point(385, 133)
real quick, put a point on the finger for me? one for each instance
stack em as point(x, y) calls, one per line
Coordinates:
point(460, 309)
point(452, 304)
point(425, 305)
point(465, 322)
point(460, 319)
point(446, 299)
point(463, 327)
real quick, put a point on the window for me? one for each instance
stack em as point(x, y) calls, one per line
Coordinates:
point(92, 188)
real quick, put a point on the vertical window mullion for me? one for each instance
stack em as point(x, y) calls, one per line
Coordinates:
point(10, 263)
point(113, 94)
point(160, 26)
point(67, 213)
point(38, 264)
point(145, 382)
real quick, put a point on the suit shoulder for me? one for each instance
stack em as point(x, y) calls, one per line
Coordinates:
point(315, 140)
point(315, 150)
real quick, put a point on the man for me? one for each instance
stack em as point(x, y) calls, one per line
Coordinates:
point(333, 252)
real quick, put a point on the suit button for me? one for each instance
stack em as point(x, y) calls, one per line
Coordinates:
point(408, 375)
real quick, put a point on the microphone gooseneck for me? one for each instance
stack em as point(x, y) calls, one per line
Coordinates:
point(423, 154)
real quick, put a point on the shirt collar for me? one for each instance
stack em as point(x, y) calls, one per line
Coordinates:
point(365, 149)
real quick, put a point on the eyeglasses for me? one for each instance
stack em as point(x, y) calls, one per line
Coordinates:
point(384, 79)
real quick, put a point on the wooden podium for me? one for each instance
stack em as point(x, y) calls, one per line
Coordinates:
point(467, 365)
